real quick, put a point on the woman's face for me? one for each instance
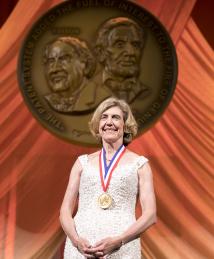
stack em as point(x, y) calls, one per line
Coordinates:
point(111, 126)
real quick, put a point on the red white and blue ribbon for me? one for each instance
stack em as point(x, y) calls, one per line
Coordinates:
point(106, 171)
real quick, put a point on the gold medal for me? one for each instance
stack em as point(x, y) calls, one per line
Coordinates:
point(105, 201)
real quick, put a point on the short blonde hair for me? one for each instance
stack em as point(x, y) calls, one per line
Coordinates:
point(130, 129)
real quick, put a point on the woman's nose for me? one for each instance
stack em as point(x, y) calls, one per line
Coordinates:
point(109, 121)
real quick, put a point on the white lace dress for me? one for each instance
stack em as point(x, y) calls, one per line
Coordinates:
point(94, 223)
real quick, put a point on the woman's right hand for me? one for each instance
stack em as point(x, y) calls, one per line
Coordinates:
point(83, 246)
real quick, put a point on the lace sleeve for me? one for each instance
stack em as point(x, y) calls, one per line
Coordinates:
point(140, 162)
point(83, 160)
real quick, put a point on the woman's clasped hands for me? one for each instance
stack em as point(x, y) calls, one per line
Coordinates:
point(99, 249)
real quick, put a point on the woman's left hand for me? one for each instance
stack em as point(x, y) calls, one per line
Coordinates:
point(106, 246)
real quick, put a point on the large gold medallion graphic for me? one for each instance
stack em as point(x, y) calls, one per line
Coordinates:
point(81, 52)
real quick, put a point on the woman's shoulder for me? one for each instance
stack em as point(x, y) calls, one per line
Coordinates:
point(134, 157)
point(132, 154)
point(87, 156)
point(93, 156)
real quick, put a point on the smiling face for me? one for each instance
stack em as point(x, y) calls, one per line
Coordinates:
point(124, 51)
point(63, 68)
point(111, 125)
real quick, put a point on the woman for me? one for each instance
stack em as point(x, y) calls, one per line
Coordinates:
point(108, 183)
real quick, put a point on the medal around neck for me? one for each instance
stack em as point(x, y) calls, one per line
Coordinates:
point(105, 200)
point(81, 52)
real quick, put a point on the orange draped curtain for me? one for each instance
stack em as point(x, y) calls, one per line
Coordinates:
point(35, 165)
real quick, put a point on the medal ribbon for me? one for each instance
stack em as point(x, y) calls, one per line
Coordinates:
point(106, 171)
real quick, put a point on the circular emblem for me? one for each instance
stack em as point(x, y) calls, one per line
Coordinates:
point(105, 201)
point(81, 52)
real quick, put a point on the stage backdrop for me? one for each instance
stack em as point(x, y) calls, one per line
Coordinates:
point(35, 165)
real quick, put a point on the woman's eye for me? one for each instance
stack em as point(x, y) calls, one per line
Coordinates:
point(116, 117)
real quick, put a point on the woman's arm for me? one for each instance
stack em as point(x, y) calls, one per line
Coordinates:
point(148, 217)
point(69, 202)
point(67, 210)
point(148, 204)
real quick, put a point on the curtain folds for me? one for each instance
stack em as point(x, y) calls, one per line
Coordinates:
point(35, 165)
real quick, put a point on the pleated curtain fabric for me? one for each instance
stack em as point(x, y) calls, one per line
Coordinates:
point(35, 166)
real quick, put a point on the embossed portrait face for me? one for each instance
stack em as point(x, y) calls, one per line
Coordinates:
point(63, 68)
point(123, 52)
